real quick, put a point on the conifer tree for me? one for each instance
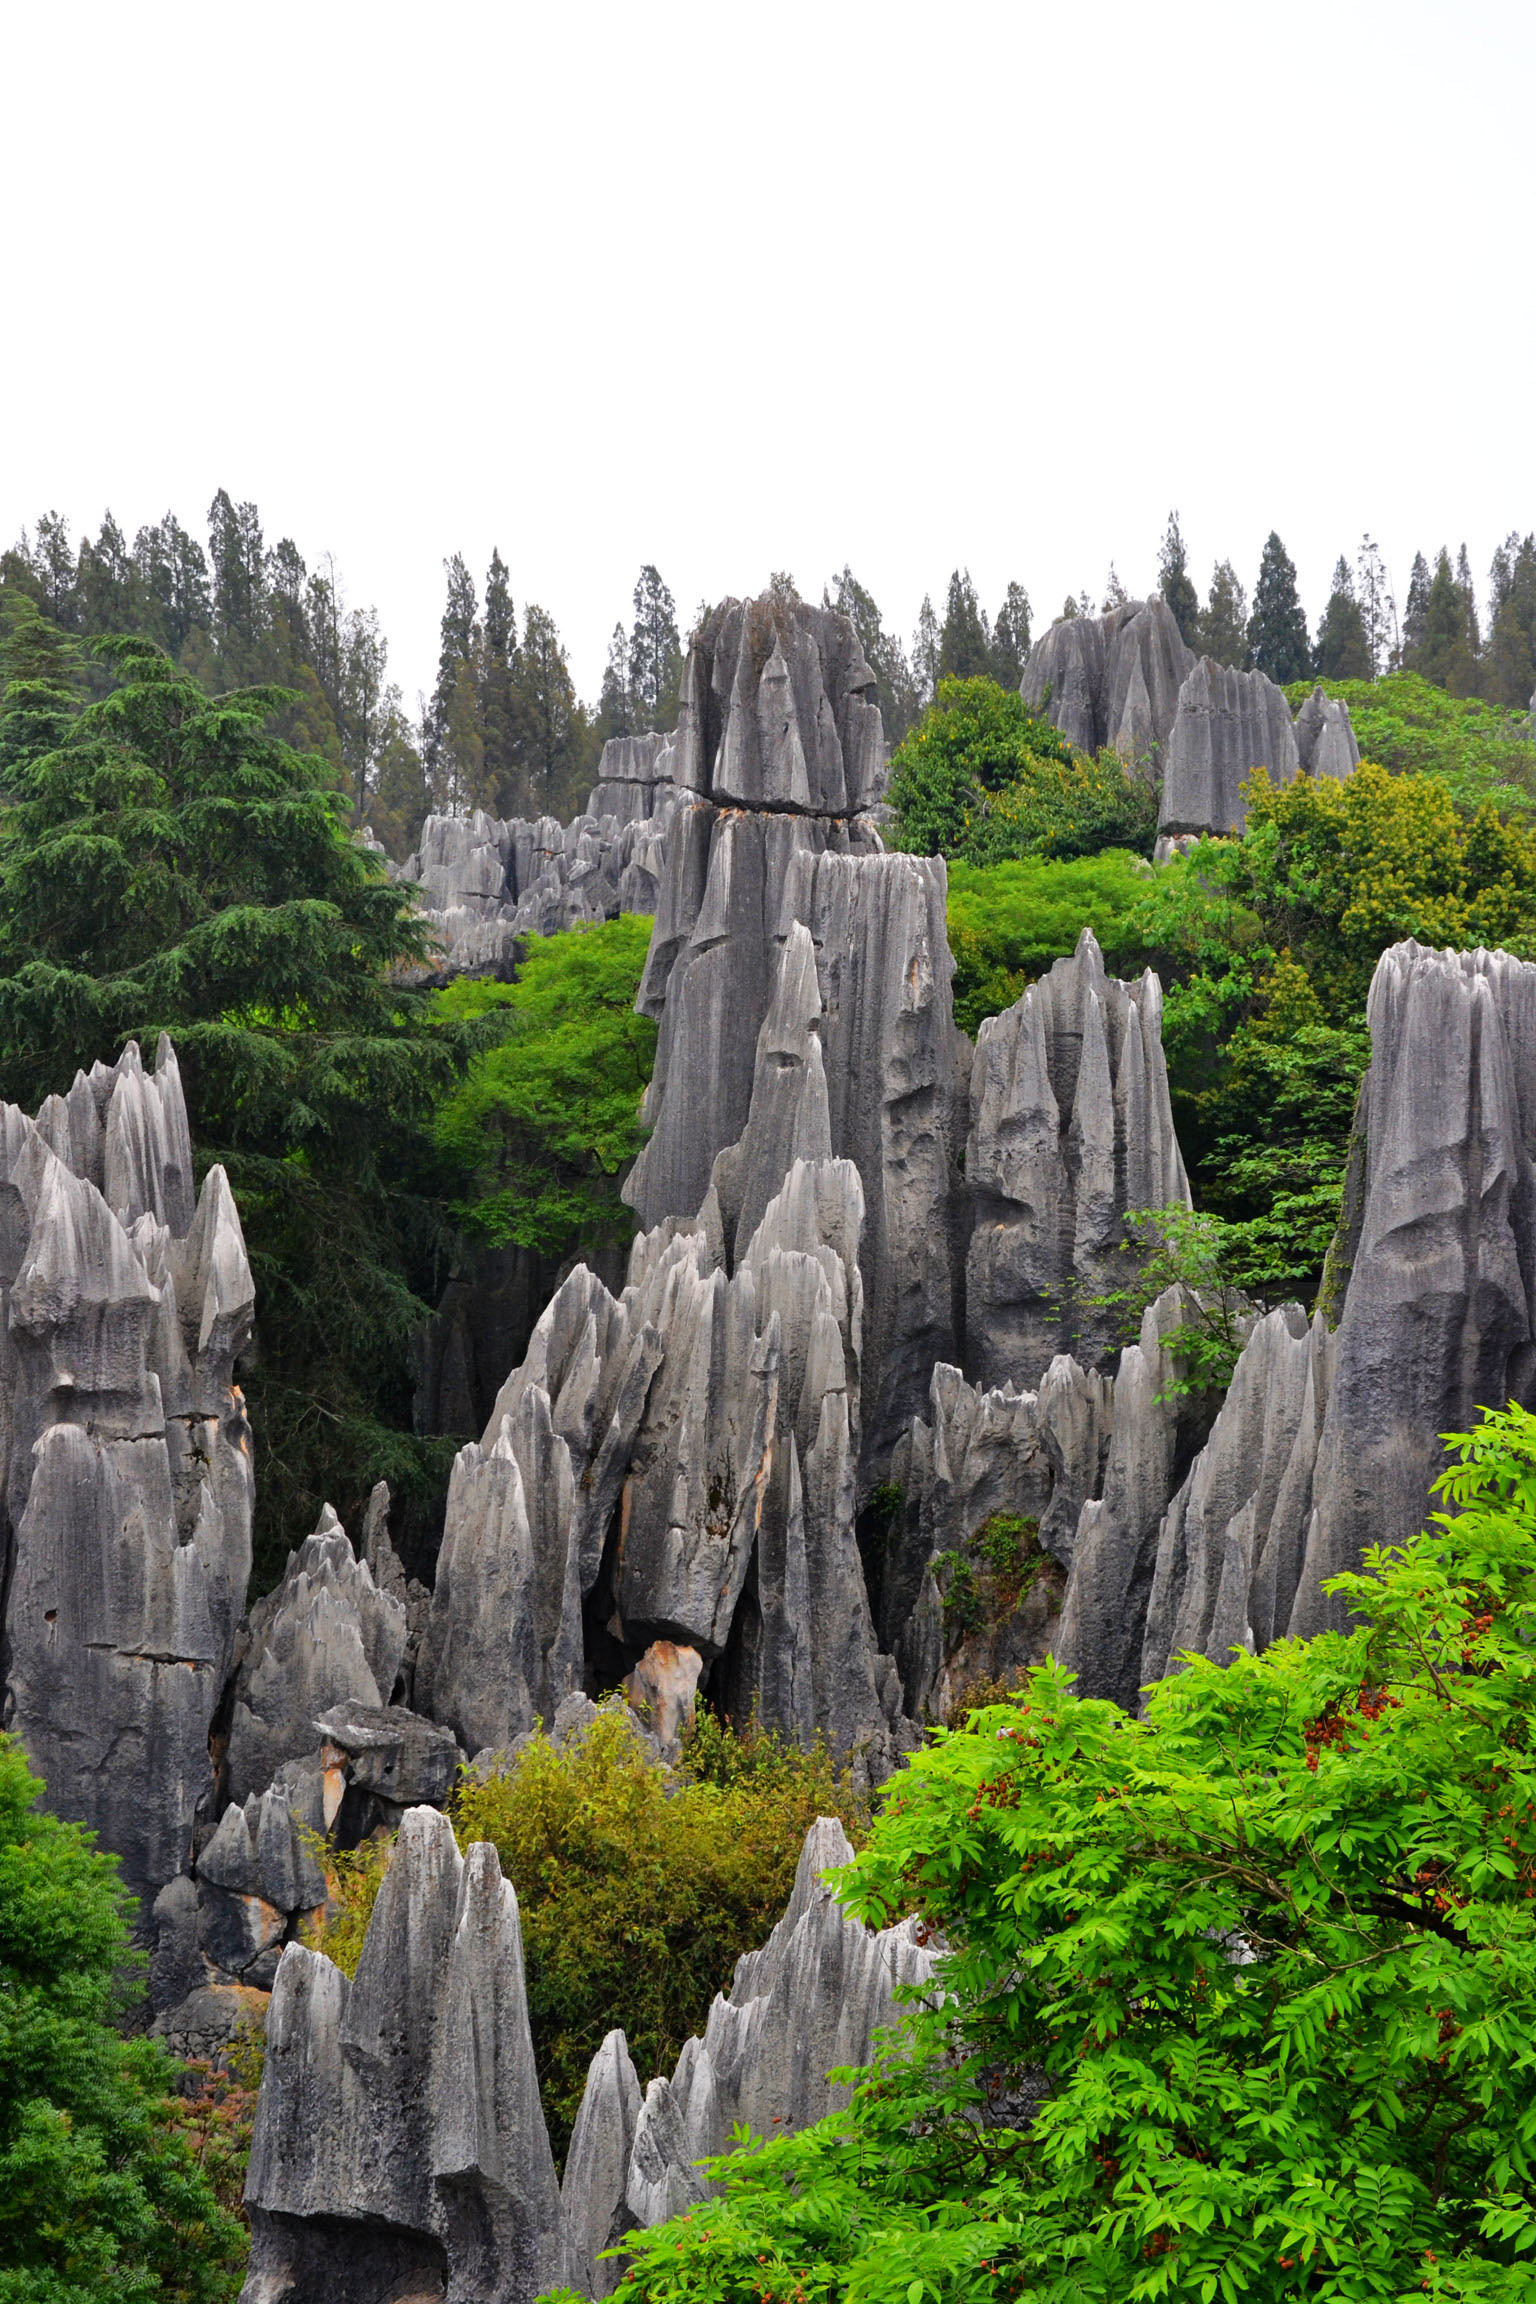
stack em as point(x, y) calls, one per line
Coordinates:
point(1224, 619)
point(925, 655)
point(500, 729)
point(106, 582)
point(965, 644)
point(459, 643)
point(1174, 582)
point(1510, 659)
point(1447, 652)
point(655, 653)
point(615, 712)
point(1416, 613)
point(1343, 651)
point(1010, 638)
point(1378, 609)
point(1277, 629)
point(1115, 594)
point(173, 572)
point(238, 560)
point(550, 713)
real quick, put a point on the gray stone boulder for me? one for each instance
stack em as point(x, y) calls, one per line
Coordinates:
point(1325, 737)
point(399, 2145)
point(125, 1456)
point(324, 1635)
point(1111, 680)
point(1228, 723)
point(1071, 1128)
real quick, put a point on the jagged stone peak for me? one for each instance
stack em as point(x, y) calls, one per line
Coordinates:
point(1112, 679)
point(1227, 724)
point(1325, 738)
point(778, 711)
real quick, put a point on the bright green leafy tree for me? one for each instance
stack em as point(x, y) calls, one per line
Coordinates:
point(1241, 1995)
point(99, 2195)
point(546, 1121)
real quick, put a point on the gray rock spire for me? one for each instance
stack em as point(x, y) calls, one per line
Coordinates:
point(1228, 723)
point(1325, 737)
point(398, 2134)
point(1111, 679)
point(125, 1456)
point(1071, 1127)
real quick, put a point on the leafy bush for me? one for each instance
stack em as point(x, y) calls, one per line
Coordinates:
point(100, 2194)
point(1479, 751)
point(548, 1119)
point(1241, 1995)
point(639, 1887)
point(984, 777)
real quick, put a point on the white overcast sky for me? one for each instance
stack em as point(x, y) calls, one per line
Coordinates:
point(735, 289)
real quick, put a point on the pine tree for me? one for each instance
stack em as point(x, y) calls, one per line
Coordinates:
point(173, 571)
point(1277, 629)
point(551, 714)
point(1378, 609)
point(106, 583)
point(459, 643)
point(499, 724)
point(1447, 654)
point(238, 561)
point(1416, 613)
point(287, 579)
point(615, 711)
point(53, 562)
point(655, 653)
point(1010, 638)
point(1115, 594)
point(1510, 660)
point(965, 644)
point(1174, 582)
point(1224, 619)
point(925, 655)
point(1343, 650)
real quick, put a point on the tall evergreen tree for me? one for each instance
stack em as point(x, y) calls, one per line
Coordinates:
point(1010, 638)
point(238, 560)
point(106, 582)
point(500, 731)
point(1174, 583)
point(1277, 629)
point(925, 655)
point(655, 653)
point(551, 713)
point(1224, 618)
point(1510, 659)
point(173, 570)
point(458, 643)
point(1115, 594)
point(1343, 651)
point(615, 711)
point(1447, 652)
point(965, 644)
point(1378, 608)
point(1416, 613)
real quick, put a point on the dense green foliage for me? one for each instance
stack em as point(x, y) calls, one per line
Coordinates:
point(547, 1120)
point(640, 1891)
point(1478, 750)
point(99, 2192)
point(1009, 922)
point(169, 865)
point(1258, 1970)
point(983, 777)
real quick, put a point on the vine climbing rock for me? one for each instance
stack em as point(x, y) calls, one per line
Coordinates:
point(1071, 1128)
point(399, 2144)
point(125, 1513)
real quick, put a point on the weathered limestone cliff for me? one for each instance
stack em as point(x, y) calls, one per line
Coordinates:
point(125, 1457)
point(1227, 724)
point(1113, 679)
point(399, 2145)
point(1071, 1128)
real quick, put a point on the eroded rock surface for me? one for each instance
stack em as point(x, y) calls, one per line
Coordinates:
point(398, 2130)
point(1325, 736)
point(1112, 679)
point(1071, 1127)
point(125, 1456)
point(1227, 724)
